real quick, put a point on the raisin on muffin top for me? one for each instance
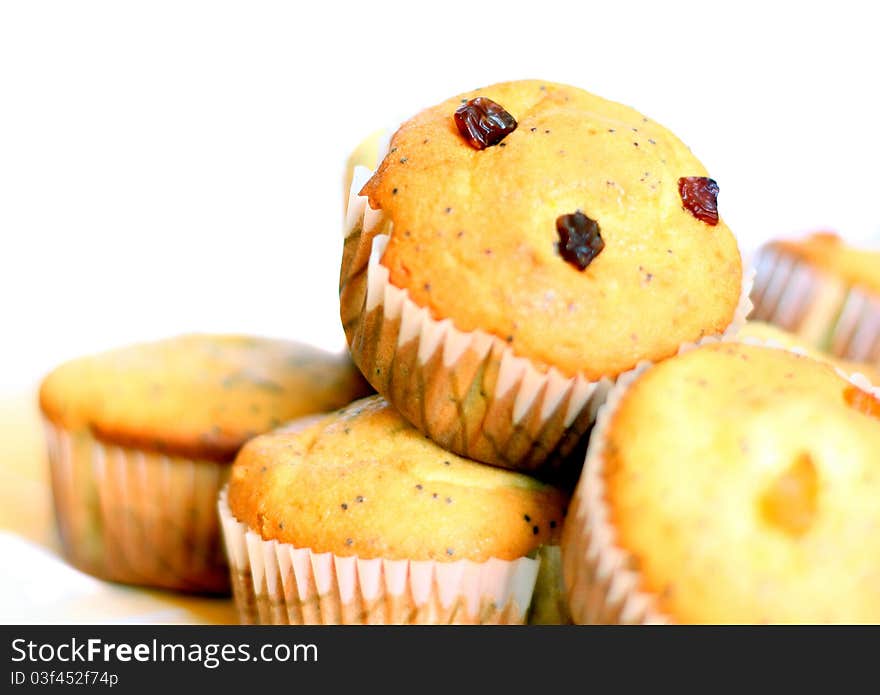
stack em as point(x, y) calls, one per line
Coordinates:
point(743, 482)
point(505, 238)
point(364, 482)
point(197, 396)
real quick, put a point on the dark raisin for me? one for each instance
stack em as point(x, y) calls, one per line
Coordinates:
point(699, 196)
point(483, 123)
point(579, 239)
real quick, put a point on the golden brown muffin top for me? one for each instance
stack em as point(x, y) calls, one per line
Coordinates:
point(474, 233)
point(364, 482)
point(744, 482)
point(197, 396)
point(827, 251)
point(762, 331)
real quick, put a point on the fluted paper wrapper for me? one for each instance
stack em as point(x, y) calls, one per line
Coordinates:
point(137, 517)
point(601, 580)
point(828, 313)
point(279, 584)
point(466, 390)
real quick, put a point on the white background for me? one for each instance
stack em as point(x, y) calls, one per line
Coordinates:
point(176, 166)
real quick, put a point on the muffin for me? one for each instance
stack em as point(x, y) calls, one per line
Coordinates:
point(493, 293)
point(731, 484)
point(140, 440)
point(758, 332)
point(824, 290)
point(359, 518)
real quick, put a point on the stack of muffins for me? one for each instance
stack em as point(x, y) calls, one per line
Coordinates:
point(529, 270)
point(491, 273)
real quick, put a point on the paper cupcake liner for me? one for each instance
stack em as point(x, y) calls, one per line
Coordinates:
point(279, 584)
point(831, 315)
point(136, 517)
point(466, 390)
point(601, 580)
